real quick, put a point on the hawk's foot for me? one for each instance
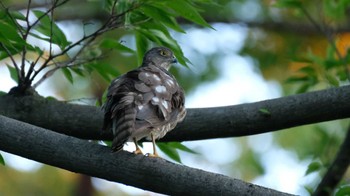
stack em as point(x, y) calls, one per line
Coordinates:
point(138, 151)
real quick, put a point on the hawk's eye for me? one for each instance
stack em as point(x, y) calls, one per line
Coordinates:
point(162, 52)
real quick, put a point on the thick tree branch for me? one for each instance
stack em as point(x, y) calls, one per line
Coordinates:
point(239, 120)
point(337, 170)
point(147, 173)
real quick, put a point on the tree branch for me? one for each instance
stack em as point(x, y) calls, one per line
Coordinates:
point(201, 123)
point(154, 174)
point(337, 170)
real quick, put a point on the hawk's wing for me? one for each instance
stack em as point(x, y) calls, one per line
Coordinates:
point(141, 101)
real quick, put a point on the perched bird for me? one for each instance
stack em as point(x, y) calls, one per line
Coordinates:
point(145, 102)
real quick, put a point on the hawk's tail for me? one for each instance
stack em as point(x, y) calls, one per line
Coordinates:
point(123, 125)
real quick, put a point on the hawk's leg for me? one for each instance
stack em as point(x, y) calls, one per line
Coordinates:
point(155, 154)
point(138, 150)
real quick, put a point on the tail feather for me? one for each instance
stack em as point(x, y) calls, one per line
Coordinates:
point(123, 125)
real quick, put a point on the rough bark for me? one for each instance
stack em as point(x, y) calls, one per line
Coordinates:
point(154, 174)
point(202, 123)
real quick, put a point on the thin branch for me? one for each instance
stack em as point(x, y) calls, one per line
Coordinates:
point(113, 7)
point(153, 174)
point(29, 27)
point(337, 170)
point(12, 59)
point(45, 76)
point(51, 31)
point(60, 65)
point(24, 50)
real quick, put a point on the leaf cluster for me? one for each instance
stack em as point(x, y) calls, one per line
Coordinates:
point(148, 21)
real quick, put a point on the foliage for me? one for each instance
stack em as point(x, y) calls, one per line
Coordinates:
point(170, 149)
point(149, 21)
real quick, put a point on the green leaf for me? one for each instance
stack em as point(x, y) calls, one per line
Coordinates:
point(309, 189)
point(2, 93)
point(308, 70)
point(332, 80)
point(10, 37)
point(153, 28)
point(105, 70)
point(78, 70)
point(2, 160)
point(17, 15)
point(13, 73)
point(50, 29)
point(161, 39)
point(303, 88)
point(329, 63)
point(169, 151)
point(161, 16)
point(182, 147)
point(313, 167)
point(141, 45)
point(51, 98)
point(297, 79)
point(265, 111)
point(67, 73)
point(289, 3)
point(188, 11)
point(342, 75)
point(108, 143)
point(114, 44)
point(39, 37)
point(343, 191)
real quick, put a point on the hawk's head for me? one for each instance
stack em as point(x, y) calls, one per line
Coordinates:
point(159, 56)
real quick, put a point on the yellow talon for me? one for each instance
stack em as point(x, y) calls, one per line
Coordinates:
point(138, 150)
point(155, 154)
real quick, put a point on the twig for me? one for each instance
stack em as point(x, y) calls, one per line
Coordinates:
point(45, 76)
point(29, 27)
point(57, 67)
point(12, 59)
point(336, 171)
point(51, 31)
point(107, 26)
point(24, 50)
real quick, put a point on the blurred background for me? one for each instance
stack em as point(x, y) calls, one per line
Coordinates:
point(256, 51)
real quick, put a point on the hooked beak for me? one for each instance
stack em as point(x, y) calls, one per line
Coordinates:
point(174, 60)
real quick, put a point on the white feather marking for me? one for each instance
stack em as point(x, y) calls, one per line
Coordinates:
point(165, 104)
point(156, 77)
point(170, 82)
point(160, 89)
point(155, 99)
point(116, 80)
point(140, 107)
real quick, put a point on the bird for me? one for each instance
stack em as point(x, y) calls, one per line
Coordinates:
point(146, 102)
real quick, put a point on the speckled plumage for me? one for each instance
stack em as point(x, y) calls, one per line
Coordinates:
point(144, 101)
